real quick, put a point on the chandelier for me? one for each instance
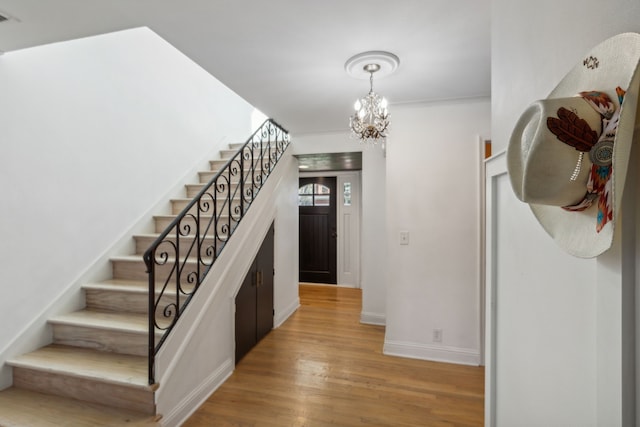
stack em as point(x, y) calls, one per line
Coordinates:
point(370, 121)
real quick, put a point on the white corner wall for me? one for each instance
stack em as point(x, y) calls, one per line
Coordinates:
point(543, 353)
point(433, 172)
point(95, 133)
point(561, 331)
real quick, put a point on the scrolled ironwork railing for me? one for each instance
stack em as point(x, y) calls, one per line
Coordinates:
point(180, 258)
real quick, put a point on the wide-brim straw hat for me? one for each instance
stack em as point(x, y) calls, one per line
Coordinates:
point(551, 175)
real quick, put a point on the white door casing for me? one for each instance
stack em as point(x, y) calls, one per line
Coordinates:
point(348, 223)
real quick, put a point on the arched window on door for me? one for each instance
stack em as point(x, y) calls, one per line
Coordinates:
point(314, 195)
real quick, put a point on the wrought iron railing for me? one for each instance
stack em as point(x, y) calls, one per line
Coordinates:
point(180, 258)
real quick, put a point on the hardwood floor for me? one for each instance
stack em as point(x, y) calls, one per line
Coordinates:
point(323, 368)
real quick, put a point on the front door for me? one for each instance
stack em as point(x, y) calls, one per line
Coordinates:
point(317, 210)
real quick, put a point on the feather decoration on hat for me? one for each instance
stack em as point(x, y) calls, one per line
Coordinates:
point(600, 102)
point(572, 130)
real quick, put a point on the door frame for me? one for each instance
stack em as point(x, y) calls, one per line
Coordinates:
point(349, 223)
point(484, 154)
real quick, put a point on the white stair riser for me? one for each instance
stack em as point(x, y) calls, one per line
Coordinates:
point(188, 226)
point(205, 177)
point(227, 154)
point(258, 162)
point(144, 242)
point(121, 301)
point(127, 302)
point(222, 206)
point(192, 190)
point(101, 339)
point(88, 390)
point(137, 270)
point(233, 149)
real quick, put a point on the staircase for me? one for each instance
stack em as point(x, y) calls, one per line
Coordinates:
point(97, 371)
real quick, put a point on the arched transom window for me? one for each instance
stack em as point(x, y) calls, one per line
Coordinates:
point(313, 195)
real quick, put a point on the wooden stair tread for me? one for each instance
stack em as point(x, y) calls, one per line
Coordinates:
point(188, 236)
point(188, 199)
point(120, 285)
point(156, 235)
point(171, 217)
point(134, 286)
point(128, 322)
point(87, 363)
point(200, 186)
point(130, 286)
point(138, 258)
point(19, 407)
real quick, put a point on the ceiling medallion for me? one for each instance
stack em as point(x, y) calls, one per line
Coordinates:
point(370, 121)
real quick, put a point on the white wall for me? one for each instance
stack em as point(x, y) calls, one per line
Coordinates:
point(94, 133)
point(373, 261)
point(433, 163)
point(375, 264)
point(545, 330)
point(560, 322)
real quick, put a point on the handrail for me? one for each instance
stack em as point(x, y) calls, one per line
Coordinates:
point(185, 251)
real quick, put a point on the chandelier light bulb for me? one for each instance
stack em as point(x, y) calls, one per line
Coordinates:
point(362, 113)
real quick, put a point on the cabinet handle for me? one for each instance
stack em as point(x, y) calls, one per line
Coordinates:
point(258, 278)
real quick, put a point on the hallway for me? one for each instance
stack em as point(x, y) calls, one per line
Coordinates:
point(322, 367)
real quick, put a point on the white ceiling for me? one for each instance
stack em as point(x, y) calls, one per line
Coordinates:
point(286, 57)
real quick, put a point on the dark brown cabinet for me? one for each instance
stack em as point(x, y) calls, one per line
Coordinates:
point(254, 301)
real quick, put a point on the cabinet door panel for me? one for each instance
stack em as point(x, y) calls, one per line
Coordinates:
point(246, 316)
point(264, 264)
point(254, 301)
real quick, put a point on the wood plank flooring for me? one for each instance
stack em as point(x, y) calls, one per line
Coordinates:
point(323, 368)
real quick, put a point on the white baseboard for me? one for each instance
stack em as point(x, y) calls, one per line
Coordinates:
point(373, 319)
point(461, 356)
point(282, 317)
point(192, 402)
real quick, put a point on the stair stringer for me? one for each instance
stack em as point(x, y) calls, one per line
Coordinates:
point(38, 332)
point(198, 356)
